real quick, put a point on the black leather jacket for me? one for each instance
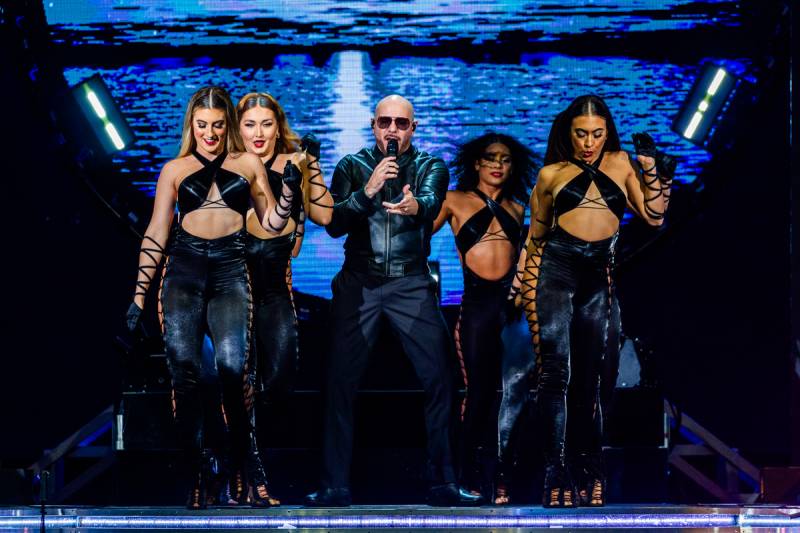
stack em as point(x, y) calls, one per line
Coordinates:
point(379, 243)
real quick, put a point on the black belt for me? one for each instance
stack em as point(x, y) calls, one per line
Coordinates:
point(395, 270)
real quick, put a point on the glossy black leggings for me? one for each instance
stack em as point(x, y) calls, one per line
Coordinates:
point(567, 294)
point(480, 351)
point(275, 340)
point(205, 289)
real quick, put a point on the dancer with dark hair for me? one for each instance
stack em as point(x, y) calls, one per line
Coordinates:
point(266, 133)
point(494, 173)
point(205, 286)
point(566, 285)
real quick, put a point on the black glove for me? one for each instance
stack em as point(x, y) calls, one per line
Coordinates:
point(644, 145)
point(292, 177)
point(665, 163)
point(311, 145)
point(132, 316)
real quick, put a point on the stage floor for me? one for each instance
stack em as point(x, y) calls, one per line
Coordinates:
point(410, 517)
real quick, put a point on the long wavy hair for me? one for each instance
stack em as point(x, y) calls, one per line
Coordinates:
point(211, 97)
point(288, 141)
point(524, 165)
point(559, 143)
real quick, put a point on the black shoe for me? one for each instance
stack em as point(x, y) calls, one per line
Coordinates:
point(329, 498)
point(451, 495)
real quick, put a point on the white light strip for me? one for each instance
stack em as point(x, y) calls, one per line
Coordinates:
point(720, 75)
point(96, 105)
point(401, 522)
point(115, 138)
point(703, 105)
point(423, 521)
point(698, 116)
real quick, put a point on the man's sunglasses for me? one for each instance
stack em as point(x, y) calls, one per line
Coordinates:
point(402, 123)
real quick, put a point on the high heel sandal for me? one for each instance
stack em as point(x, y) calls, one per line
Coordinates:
point(237, 488)
point(196, 499)
point(596, 493)
point(260, 496)
point(502, 496)
point(559, 491)
point(502, 493)
point(592, 480)
point(218, 489)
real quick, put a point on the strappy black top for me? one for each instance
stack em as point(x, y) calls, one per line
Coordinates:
point(574, 192)
point(234, 189)
point(475, 228)
point(275, 179)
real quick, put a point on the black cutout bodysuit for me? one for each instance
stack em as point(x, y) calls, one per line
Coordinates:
point(205, 289)
point(480, 349)
point(568, 294)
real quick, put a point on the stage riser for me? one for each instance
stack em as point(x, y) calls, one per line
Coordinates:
point(409, 518)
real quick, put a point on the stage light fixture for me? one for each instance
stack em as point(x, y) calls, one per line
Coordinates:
point(102, 114)
point(707, 102)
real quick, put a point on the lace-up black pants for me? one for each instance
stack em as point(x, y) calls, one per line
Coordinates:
point(572, 310)
point(206, 289)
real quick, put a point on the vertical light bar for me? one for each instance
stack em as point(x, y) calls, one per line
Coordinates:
point(100, 111)
point(698, 116)
point(115, 138)
point(718, 77)
point(96, 105)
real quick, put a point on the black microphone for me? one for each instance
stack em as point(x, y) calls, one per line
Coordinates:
point(391, 151)
point(391, 148)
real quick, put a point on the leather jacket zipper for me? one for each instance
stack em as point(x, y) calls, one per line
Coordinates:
point(388, 241)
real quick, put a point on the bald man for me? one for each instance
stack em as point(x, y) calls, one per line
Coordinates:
point(386, 206)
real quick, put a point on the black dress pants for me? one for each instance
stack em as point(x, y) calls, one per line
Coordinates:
point(411, 306)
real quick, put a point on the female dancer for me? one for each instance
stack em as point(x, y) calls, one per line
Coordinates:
point(265, 131)
point(494, 173)
point(204, 287)
point(576, 208)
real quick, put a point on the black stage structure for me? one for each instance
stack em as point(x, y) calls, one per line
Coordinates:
point(718, 353)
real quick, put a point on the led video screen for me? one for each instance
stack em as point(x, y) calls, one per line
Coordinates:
point(329, 62)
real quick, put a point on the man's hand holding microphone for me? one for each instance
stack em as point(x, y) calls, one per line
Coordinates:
point(388, 169)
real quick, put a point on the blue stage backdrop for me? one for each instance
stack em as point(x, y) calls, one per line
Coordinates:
point(455, 98)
